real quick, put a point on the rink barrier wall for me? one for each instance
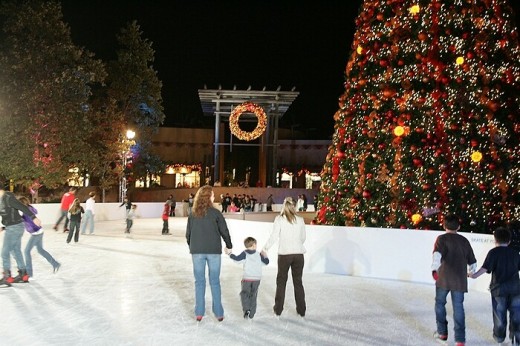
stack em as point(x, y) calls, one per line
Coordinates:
point(391, 254)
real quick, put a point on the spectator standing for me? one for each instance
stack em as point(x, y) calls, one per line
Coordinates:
point(269, 203)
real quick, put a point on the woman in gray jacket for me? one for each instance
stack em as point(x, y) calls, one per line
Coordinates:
point(206, 227)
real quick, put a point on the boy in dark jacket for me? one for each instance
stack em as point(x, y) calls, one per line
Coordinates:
point(14, 229)
point(503, 263)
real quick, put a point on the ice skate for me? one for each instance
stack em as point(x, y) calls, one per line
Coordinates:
point(441, 339)
point(22, 277)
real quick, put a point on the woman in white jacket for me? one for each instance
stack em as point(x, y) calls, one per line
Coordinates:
point(289, 232)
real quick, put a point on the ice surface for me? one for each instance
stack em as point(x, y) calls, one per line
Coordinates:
point(114, 289)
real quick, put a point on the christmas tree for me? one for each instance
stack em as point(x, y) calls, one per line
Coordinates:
point(429, 120)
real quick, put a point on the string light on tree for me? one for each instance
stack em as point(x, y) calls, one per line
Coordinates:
point(429, 118)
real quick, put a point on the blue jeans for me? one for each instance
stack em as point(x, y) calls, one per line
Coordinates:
point(13, 244)
point(88, 219)
point(36, 240)
point(459, 319)
point(199, 271)
point(500, 307)
point(64, 214)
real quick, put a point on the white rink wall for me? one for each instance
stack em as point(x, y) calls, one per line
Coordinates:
point(393, 254)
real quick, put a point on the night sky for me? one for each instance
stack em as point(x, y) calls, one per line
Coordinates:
point(258, 43)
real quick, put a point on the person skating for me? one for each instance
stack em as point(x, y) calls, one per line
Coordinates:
point(503, 263)
point(453, 259)
point(165, 216)
point(10, 208)
point(66, 202)
point(253, 263)
point(75, 212)
point(36, 239)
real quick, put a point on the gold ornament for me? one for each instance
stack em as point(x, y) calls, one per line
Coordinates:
point(399, 131)
point(260, 126)
point(414, 9)
point(416, 218)
point(476, 156)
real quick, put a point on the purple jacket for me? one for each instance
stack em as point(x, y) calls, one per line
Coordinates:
point(30, 226)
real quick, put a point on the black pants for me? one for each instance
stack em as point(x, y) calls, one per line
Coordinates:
point(165, 227)
point(74, 230)
point(295, 263)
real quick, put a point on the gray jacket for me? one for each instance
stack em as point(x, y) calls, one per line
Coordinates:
point(204, 234)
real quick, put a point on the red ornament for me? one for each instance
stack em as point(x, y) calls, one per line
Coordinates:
point(417, 162)
point(367, 194)
point(474, 143)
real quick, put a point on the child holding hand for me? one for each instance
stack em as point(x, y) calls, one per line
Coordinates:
point(253, 262)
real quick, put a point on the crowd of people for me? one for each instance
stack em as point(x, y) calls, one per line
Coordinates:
point(453, 259)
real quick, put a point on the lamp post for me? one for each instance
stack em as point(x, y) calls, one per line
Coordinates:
point(127, 144)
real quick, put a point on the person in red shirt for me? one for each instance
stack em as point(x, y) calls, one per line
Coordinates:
point(165, 216)
point(66, 201)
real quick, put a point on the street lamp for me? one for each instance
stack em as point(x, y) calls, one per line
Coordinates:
point(127, 144)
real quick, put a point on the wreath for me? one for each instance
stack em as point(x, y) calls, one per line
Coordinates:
point(249, 107)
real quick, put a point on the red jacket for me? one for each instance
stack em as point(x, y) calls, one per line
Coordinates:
point(67, 200)
point(166, 212)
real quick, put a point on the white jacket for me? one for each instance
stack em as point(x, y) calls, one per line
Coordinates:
point(290, 236)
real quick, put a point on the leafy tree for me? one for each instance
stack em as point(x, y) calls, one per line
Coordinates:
point(44, 92)
point(135, 86)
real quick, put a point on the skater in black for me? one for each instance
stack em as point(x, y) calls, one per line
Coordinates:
point(10, 207)
point(130, 218)
point(75, 212)
point(503, 263)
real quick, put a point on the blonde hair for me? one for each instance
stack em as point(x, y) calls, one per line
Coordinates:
point(202, 201)
point(75, 207)
point(24, 200)
point(289, 210)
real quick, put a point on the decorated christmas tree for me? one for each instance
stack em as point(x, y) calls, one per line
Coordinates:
point(429, 122)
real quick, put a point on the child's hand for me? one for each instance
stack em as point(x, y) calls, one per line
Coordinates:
point(263, 253)
point(435, 275)
point(227, 251)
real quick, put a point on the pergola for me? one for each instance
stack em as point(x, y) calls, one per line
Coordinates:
point(221, 102)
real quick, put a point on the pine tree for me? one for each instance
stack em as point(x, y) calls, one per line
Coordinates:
point(429, 121)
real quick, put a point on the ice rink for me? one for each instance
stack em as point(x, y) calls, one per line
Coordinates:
point(114, 289)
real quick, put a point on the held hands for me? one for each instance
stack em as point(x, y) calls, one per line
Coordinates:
point(263, 253)
point(435, 275)
point(227, 251)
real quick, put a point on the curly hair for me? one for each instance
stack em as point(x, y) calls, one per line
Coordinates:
point(202, 201)
point(289, 210)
